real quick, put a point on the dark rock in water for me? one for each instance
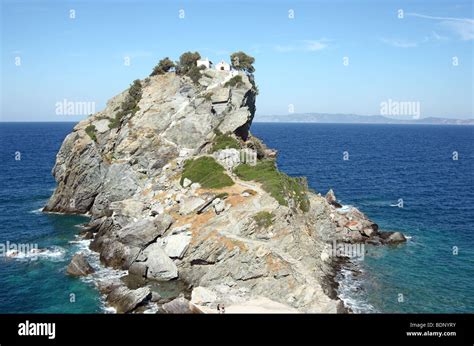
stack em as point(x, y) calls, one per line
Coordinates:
point(125, 300)
point(79, 266)
point(374, 241)
point(181, 306)
point(392, 237)
point(396, 237)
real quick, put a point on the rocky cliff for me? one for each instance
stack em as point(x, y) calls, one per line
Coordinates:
point(161, 173)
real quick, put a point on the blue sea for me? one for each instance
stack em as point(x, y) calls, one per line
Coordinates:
point(37, 284)
point(385, 163)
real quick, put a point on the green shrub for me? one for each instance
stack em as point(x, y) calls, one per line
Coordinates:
point(135, 90)
point(115, 122)
point(241, 61)
point(164, 65)
point(195, 73)
point(280, 186)
point(207, 172)
point(222, 195)
point(91, 131)
point(264, 219)
point(223, 142)
point(234, 81)
point(129, 105)
point(187, 61)
point(103, 117)
point(187, 66)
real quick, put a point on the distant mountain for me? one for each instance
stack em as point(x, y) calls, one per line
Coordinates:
point(356, 119)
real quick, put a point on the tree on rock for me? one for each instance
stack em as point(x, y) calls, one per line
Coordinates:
point(195, 73)
point(135, 90)
point(187, 61)
point(164, 65)
point(243, 62)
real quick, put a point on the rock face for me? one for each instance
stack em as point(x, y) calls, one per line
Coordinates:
point(203, 296)
point(176, 245)
point(125, 300)
point(173, 115)
point(331, 198)
point(180, 306)
point(79, 266)
point(144, 231)
point(158, 265)
point(144, 219)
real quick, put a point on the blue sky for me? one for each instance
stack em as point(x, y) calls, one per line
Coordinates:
point(299, 61)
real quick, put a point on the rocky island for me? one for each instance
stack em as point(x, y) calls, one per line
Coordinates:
point(179, 190)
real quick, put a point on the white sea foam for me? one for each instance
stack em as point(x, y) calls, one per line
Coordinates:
point(350, 292)
point(344, 209)
point(152, 308)
point(54, 253)
point(101, 275)
point(54, 212)
point(37, 211)
point(108, 309)
point(82, 244)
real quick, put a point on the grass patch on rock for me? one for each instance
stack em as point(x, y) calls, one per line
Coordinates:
point(207, 172)
point(286, 190)
point(91, 131)
point(264, 219)
point(223, 141)
point(222, 195)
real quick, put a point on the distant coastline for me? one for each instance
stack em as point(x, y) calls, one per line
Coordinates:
point(323, 118)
